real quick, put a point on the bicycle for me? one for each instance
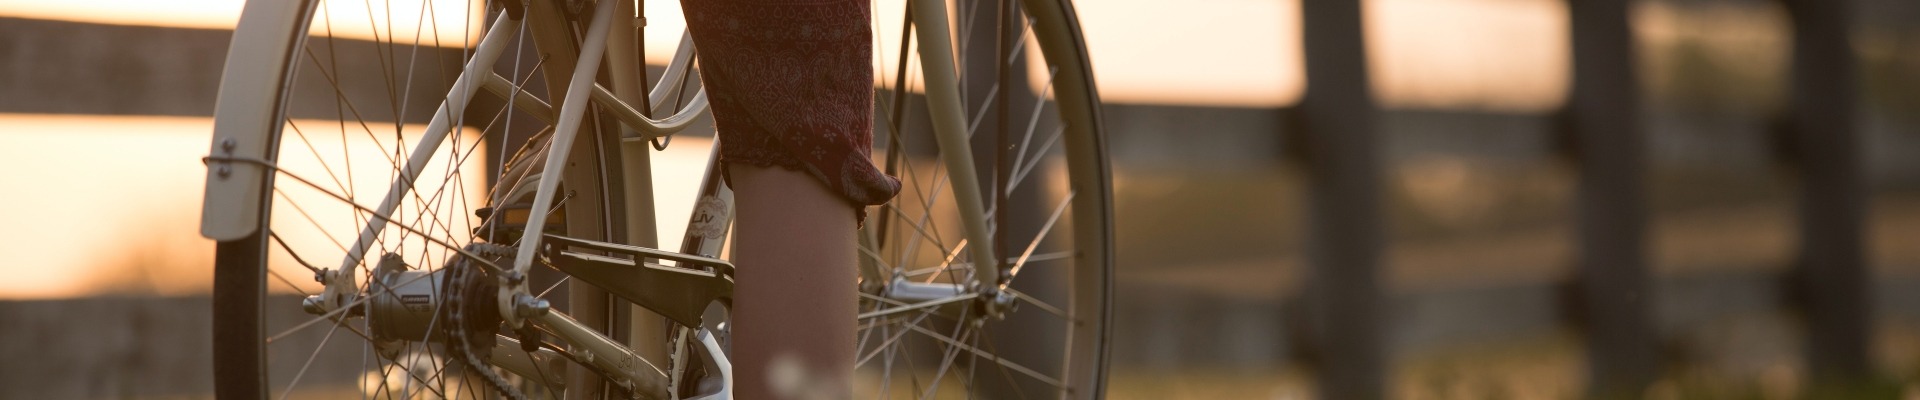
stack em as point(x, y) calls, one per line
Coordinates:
point(438, 282)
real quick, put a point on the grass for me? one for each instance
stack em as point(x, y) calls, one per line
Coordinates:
point(1546, 367)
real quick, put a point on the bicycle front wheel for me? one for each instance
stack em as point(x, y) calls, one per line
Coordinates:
point(1028, 118)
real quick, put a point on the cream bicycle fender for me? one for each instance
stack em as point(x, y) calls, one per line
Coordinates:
point(245, 115)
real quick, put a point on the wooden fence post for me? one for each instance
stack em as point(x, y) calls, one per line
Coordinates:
point(1833, 276)
point(1341, 158)
point(1614, 297)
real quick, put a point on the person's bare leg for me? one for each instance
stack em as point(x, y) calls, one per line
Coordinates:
point(794, 300)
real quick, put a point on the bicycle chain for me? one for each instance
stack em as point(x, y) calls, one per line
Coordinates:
point(460, 328)
point(676, 361)
point(462, 331)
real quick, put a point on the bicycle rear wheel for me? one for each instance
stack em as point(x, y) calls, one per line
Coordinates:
point(361, 152)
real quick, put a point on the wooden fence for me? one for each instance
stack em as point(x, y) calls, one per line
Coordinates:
point(1612, 295)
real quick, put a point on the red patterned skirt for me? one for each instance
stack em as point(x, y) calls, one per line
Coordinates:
point(791, 85)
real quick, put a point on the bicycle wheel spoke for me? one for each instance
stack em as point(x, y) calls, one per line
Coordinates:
point(946, 361)
point(916, 306)
point(1009, 376)
point(289, 283)
point(920, 228)
point(973, 366)
point(913, 372)
point(386, 220)
point(556, 285)
point(987, 102)
point(927, 198)
point(990, 357)
point(1021, 175)
point(948, 262)
point(892, 339)
point(380, 54)
point(452, 178)
point(968, 266)
point(341, 95)
point(333, 60)
point(965, 36)
point(926, 217)
point(413, 55)
point(309, 364)
point(886, 375)
point(316, 154)
point(985, 105)
point(309, 217)
point(1036, 302)
point(434, 381)
point(1044, 229)
point(1033, 123)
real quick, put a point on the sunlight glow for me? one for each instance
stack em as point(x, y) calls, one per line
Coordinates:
point(1210, 52)
point(202, 14)
point(1476, 54)
point(448, 25)
point(102, 204)
point(437, 23)
point(111, 204)
point(1509, 55)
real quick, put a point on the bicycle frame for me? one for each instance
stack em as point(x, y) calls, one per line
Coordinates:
point(631, 279)
point(949, 128)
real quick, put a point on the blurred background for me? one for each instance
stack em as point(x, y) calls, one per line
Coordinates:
point(1704, 217)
